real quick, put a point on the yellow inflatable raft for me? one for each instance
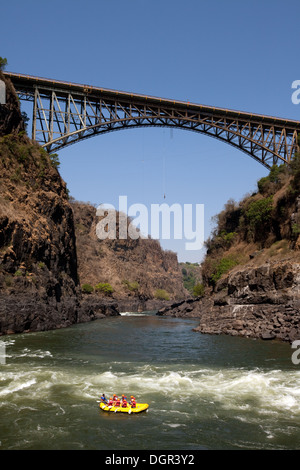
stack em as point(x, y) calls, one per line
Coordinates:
point(128, 409)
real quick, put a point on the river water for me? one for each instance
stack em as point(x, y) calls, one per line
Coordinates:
point(204, 392)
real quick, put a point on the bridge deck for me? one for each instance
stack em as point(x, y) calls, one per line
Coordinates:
point(65, 113)
point(26, 83)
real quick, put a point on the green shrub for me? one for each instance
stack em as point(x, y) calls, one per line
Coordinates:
point(3, 63)
point(23, 153)
point(258, 215)
point(263, 184)
point(276, 172)
point(228, 237)
point(271, 183)
point(295, 230)
point(87, 288)
point(54, 160)
point(104, 288)
point(222, 267)
point(198, 290)
point(18, 273)
point(161, 294)
point(132, 286)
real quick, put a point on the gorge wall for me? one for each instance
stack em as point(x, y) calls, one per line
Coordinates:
point(49, 249)
point(139, 272)
point(38, 261)
point(251, 271)
point(256, 302)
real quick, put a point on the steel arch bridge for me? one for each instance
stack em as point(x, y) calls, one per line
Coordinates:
point(65, 113)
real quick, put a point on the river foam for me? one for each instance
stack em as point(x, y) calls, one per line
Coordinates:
point(53, 380)
point(237, 389)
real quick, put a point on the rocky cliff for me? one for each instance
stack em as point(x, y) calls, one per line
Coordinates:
point(46, 256)
point(258, 302)
point(140, 273)
point(38, 263)
point(39, 284)
point(251, 271)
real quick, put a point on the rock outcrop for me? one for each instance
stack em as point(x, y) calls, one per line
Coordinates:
point(251, 271)
point(258, 302)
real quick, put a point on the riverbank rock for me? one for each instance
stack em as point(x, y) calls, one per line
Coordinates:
point(259, 302)
point(93, 308)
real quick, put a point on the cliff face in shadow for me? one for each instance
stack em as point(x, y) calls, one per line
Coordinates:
point(141, 274)
point(38, 261)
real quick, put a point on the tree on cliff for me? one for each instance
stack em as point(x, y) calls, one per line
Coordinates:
point(3, 63)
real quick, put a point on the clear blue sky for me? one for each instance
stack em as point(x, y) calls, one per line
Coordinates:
point(235, 54)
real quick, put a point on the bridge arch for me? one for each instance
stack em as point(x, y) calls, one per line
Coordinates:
point(263, 154)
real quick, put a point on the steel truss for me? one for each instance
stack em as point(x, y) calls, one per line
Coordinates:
point(65, 113)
